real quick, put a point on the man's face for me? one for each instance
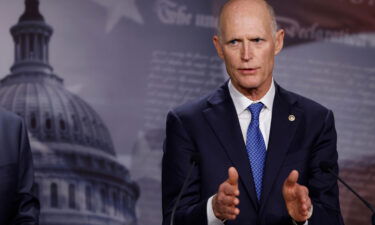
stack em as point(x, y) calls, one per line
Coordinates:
point(248, 46)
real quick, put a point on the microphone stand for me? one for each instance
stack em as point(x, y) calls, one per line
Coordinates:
point(355, 193)
point(193, 164)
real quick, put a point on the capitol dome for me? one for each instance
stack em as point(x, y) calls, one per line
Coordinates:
point(53, 114)
point(78, 179)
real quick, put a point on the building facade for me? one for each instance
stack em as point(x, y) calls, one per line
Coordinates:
point(78, 178)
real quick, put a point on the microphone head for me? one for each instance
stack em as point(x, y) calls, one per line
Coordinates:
point(325, 166)
point(195, 158)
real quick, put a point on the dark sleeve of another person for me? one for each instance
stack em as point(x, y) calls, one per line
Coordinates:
point(178, 149)
point(27, 205)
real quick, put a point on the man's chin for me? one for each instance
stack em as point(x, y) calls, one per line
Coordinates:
point(250, 85)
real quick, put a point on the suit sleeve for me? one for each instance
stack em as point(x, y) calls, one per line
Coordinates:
point(322, 186)
point(178, 149)
point(27, 205)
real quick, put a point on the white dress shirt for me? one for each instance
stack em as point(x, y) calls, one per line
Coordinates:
point(241, 103)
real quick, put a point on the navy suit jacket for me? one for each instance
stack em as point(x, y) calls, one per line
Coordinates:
point(211, 128)
point(17, 204)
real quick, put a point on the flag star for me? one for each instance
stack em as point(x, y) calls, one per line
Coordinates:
point(117, 9)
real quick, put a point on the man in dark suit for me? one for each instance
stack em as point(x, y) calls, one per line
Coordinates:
point(271, 140)
point(17, 205)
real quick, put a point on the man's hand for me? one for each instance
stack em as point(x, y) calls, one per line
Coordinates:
point(225, 202)
point(297, 200)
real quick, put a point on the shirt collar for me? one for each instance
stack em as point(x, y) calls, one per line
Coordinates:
point(241, 102)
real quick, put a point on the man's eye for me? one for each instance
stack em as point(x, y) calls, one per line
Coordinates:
point(257, 40)
point(233, 42)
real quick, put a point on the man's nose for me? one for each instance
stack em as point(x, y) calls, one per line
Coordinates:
point(246, 52)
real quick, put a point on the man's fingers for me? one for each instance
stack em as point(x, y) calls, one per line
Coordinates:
point(231, 212)
point(308, 204)
point(233, 182)
point(296, 198)
point(302, 193)
point(289, 187)
point(292, 178)
point(303, 200)
point(225, 206)
point(234, 211)
point(227, 194)
point(229, 189)
point(227, 200)
point(233, 176)
point(308, 207)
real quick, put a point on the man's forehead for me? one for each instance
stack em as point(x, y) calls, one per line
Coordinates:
point(244, 12)
point(236, 6)
point(246, 24)
point(240, 34)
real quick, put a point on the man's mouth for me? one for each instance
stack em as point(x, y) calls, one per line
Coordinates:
point(248, 70)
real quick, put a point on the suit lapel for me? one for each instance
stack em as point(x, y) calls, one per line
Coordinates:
point(223, 120)
point(281, 134)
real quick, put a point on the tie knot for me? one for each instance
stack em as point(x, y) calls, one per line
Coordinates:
point(255, 109)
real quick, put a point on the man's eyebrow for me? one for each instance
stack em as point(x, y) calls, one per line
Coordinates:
point(234, 39)
point(257, 39)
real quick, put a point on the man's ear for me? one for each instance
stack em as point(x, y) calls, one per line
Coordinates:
point(219, 48)
point(279, 41)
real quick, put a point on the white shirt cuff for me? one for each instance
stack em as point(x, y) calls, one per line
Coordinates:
point(211, 218)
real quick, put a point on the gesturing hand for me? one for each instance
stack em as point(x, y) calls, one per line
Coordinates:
point(296, 196)
point(225, 202)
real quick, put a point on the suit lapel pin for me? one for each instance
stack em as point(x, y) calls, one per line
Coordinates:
point(291, 118)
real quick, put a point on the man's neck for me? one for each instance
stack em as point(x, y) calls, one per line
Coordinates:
point(254, 94)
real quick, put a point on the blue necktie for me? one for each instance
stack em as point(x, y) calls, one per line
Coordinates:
point(255, 147)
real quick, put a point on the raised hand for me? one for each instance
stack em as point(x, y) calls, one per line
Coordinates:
point(296, 197)
point(225, 202)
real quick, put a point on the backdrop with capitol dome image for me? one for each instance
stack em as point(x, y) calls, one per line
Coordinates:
point(94, 80)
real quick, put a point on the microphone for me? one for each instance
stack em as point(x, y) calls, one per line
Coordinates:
point(326, 167)
point(194, 160)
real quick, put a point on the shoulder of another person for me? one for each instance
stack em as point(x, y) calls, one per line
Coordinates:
point(8, 117)
point(10, 130)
